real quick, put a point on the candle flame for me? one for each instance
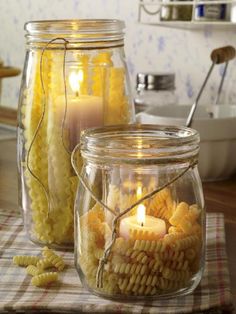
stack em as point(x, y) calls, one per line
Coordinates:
point(141, 210)
point(75, 79)
point(139, 192)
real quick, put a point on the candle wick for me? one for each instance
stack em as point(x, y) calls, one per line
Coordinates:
point(77, 94)
point(141, 224)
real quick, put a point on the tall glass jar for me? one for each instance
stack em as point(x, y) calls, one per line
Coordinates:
point(144, 235)
point(74, 78)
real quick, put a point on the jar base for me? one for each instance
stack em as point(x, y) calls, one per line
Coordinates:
point(195, 280)
point(58, 247)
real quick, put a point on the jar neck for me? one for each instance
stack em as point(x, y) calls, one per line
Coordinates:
point(140, 144)
point(79, 34)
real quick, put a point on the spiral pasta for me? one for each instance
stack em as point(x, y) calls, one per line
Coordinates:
point(161, 205)
point(44, 263)
point(55, 259)
point(175, 275)
point(33, 270)
point(144, 266)
point(170, 255)
point(25, 260)
point(44, 279)
point(180, 211)
point(186, 242)
point(150, 246)
point(169, 285)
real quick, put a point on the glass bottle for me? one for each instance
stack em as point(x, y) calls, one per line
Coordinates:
point(176, 12)
point(144, 234)
point(74, 78)
point(154, 89)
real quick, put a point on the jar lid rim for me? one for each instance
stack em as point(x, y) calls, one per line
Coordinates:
point(140, 141)
point(89, 33)
point(74, 25)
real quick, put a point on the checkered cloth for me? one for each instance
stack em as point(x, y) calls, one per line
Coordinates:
point(18, 295)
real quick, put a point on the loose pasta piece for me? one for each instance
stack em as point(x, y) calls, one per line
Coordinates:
point(25, 260)
point(55, 259)
point(44, 279)
point(44, 263)
point(33, 270)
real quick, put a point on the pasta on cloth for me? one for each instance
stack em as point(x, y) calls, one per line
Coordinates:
point(17, 294)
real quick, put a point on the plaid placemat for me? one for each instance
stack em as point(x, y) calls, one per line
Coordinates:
point(18, 295)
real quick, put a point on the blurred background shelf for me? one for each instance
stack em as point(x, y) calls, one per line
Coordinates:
point(155, 12)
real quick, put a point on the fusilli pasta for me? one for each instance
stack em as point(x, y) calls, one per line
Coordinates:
point(55, 259)
point(44, 279)
point(25, 260)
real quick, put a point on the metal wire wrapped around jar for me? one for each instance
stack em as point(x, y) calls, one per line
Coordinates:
point(140, 168)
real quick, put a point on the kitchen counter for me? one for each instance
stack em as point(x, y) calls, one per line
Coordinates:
point(219, 197)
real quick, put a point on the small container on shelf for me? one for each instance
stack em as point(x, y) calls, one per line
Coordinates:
point(154, 89)
point(168, 12)
point(210, 12)
point(178, 12)
point(143, 235)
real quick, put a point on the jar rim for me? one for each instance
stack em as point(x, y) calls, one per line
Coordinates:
point(140, 143)
point(75, 30)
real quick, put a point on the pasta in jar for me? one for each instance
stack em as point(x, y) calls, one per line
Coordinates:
point(153, 242)
point(71, 83)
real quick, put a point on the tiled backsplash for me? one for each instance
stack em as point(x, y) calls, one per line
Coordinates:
point(148, 48)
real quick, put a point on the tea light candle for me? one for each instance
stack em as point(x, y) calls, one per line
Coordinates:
point(142, 224)
point(83, 111)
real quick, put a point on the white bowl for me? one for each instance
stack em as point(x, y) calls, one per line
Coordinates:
point(217, 159)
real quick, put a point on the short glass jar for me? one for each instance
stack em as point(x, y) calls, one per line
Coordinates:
point(75, 77)
point(143, 233)
point(154, 89)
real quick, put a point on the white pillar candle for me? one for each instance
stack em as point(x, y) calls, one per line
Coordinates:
point(143, 225)
point(83, 111)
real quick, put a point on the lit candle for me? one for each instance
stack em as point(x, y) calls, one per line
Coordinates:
point(83, 111)
point(141, 225)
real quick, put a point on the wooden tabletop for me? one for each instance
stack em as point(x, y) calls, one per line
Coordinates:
point(219, 197)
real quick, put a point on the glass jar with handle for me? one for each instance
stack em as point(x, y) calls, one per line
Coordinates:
point(143, 235)
point(74, 78)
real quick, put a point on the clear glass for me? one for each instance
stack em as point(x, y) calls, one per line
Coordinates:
point(156, 248)
point(147, 99)
point(74, 78)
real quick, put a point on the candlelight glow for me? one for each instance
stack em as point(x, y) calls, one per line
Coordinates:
point(141, 210)
point(139, 192)
point(75, 79)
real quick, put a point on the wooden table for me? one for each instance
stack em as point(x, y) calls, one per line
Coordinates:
point(219, 197)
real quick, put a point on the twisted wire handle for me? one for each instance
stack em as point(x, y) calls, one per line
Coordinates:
point(46, 192)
